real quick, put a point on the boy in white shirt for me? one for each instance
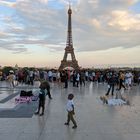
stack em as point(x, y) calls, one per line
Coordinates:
point(70, 110)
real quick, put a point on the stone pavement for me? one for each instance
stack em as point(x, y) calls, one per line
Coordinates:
point(95, 120)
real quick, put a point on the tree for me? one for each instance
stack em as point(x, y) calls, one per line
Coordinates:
point(6, 69)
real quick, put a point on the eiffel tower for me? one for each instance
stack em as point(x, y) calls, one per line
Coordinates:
point(69, 48)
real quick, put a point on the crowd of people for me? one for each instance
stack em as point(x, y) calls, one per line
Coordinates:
point(123, 79)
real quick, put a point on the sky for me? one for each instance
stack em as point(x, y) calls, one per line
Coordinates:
point(105, 33)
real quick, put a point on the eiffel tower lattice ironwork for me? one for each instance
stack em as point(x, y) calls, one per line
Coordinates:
point(69, 47)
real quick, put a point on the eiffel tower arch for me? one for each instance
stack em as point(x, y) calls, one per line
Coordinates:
point(69, 48)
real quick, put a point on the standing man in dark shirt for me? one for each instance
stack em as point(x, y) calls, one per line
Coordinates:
point(111, 84)
point(46, 85)
point(42, 95)
point(66, 79)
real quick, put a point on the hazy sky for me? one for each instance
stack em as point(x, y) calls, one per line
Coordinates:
point(34, 32)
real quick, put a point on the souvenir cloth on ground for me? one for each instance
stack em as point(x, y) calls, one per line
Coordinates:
point(23, 100)
point(26, 99)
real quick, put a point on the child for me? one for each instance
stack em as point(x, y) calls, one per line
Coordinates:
point(42, 95)
point(70, 109)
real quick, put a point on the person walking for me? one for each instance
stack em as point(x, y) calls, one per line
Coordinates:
point(121, 81)
point(70, 110)
point(77, 79)
point(82, 78)
point(74, 78)
point(11, 78)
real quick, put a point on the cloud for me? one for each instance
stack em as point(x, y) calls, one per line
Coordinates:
point(15, 48)
point(125, 21)
point(7, 3)
point(128, 2)
point(96, 25)
point(107, 26)
point(44, 1)
point(3, 35)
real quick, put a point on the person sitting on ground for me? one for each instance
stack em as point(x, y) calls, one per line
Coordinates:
point(114, 101)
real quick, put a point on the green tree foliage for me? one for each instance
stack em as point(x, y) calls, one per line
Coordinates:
point(6, 69)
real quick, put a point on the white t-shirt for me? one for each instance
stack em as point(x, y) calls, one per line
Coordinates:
point(128, 75)
point(93, 74)
point(116, 102)
point(70, 103)
point(50, 73)
point(78, 77)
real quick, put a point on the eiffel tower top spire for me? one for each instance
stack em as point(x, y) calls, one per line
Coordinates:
point(69, 4)
point(69, 35)
point(69, 7)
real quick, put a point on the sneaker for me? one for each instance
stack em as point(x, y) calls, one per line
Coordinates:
point(41, 114)
point(74, 127)
point(66, 123)
point(36, 113)
point(106, 94)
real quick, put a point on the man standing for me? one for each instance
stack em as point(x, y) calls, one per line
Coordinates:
point(42, 95)
point(66, 79)
point(111, 84)
point(46, 85)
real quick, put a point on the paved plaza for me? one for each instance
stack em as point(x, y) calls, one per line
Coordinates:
point(95, 121)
